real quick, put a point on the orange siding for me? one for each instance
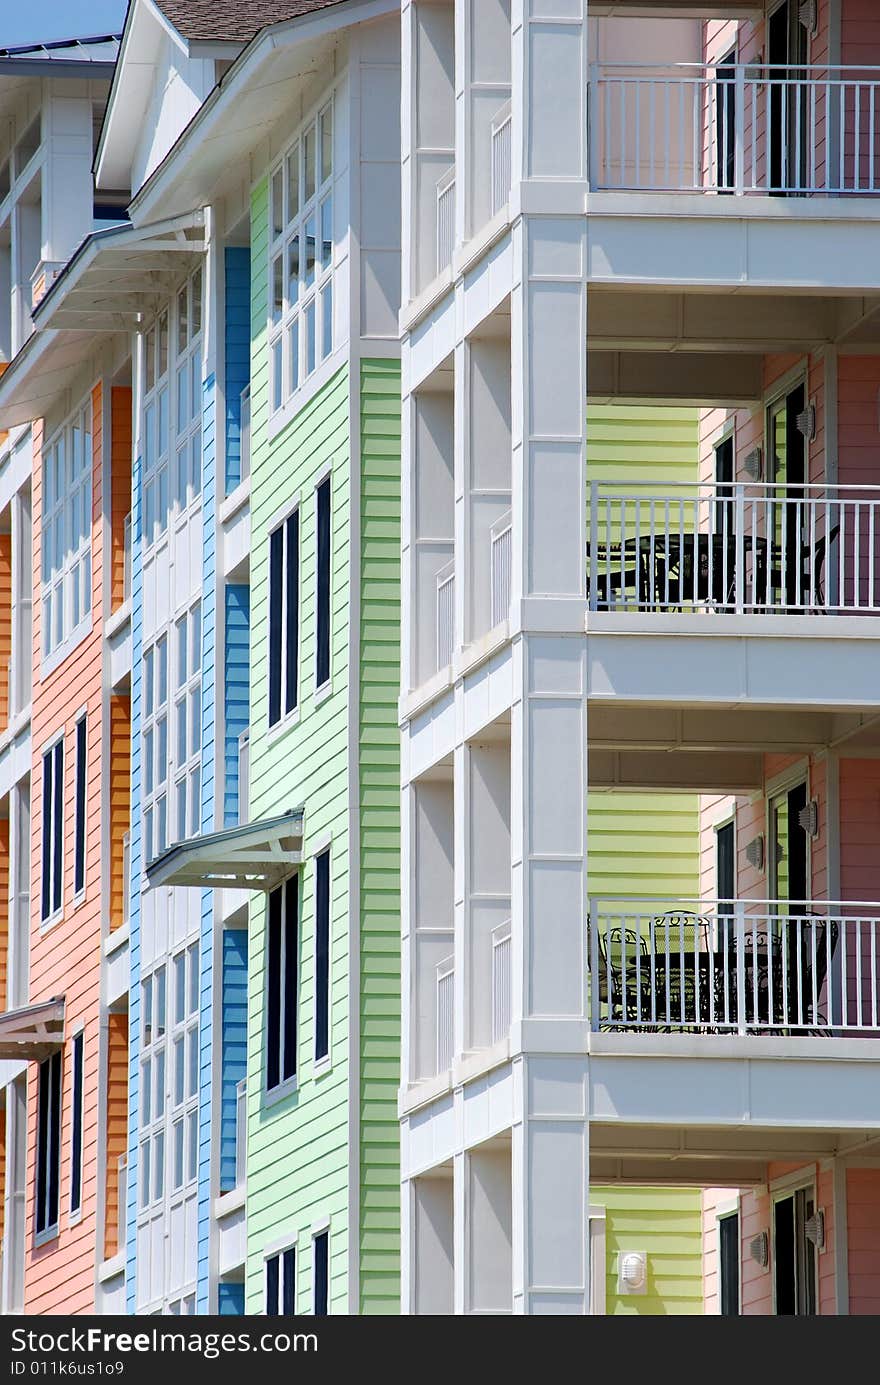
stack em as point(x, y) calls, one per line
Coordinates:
point(120, 487)
point(117, 1122)
point(4, 908)
point(5, 625)
point(120, 800)
point(66, 958)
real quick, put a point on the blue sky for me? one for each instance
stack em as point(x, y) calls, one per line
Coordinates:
point(36, 21)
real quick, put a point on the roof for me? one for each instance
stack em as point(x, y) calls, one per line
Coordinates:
point(233, 21)
point(256, 856)
point(97, 52)
point(32, 1032)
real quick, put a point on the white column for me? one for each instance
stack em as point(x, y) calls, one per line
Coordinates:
point(548, 719)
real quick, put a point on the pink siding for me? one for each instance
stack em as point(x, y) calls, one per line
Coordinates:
point(863, 1240)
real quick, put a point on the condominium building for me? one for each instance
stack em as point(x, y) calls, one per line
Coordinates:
point(664, 210)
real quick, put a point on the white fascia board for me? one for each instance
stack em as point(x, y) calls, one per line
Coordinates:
point(129, 93)
point(167, 191)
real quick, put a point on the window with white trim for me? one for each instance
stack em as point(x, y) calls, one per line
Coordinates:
point(48, 1154)
point(188, 723)
point(188, 391)
point(154, 431)
point(76, 1122)
point(283, 618)
point(154, 747)
point(66, 557)
point(171, 419)
point(185, 1069)
point(153, 1088)
point(301, 258)
point(321, 1273)
point(322, 583)
point(282, 977)
point(281, 1284)
point(79, 809)
point(322, 956)
point(52, 856)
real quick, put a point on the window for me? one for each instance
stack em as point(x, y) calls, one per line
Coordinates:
point(79, 827)
point(76, 1123)
point(794, 1254)
point(280, 1284)
point(728, 1265)
point(185, 1068)
point(152, 1087)
point(724, 505)
point(320, 1274)
point(322, 617)
point(283, 618)
point(322, 956)
point(169, 1078)
point(48, 1145)
point(154, 432)
point(281, 1001)
point(66, 559)
point(301, 259)
point(187, 721)
point(53, 831)
point(725, 877)
point(154, 747)
point(188, 392)
point(171, 422)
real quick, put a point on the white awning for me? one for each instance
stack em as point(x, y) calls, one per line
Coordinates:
point(258, 856)
point(112, 282)
point(32, 1032)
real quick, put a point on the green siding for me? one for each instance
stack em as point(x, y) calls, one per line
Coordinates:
point(651, 443)
point(667, 1223)
point(298, 1147)
point(380, 837)
point(643, 844)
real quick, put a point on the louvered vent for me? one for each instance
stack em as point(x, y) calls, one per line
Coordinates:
point(806, 422)
point(808, 14)
point(814, 1229)
point(808, 818)
point(755, 852)
point(759, 1249)
point(754, 463)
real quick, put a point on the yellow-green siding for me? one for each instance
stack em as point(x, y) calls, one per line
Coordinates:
point(667, 1224)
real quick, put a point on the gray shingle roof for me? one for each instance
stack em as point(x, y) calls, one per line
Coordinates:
point(233, 21)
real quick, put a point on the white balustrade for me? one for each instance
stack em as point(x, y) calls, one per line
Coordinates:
point(445, 219)
point(445, 990)
point(501, 981)
point(501, 557)
point(445, 614)
point(501, 157)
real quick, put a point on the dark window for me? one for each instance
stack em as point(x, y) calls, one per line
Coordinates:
point(281, 1000)
point(794, 1255)
point(322, 955)
point(79, 849)
point(280, 1284)
point(725, 105)
point(728, 1234)
point(48, 1144)
point(724, 521)
point(724, 844)
point(321, 1254)
point(322, 652)
point(283, 618)
point(53, 826)
point(76, 1125)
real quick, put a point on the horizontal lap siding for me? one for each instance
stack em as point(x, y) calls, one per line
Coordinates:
point(380, 837)
point(236, 693)
point(237, 355)
point(298, 1150)
point(234, 1047)
point(863, 1239)
point(66, 957)
point(667, 1224)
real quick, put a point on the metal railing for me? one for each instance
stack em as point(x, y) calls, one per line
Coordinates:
point(735, 128)
point(240, 1132)
point(445, 985)
point(244, 760)
point(501, 555)
point(445, 614)
point(245, 433)
point(739, 546)
point(126, 558)
point(445, 219)
point(740, 966)
point(501, 157)
point(501, 981)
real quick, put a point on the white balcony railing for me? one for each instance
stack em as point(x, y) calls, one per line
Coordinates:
point(501, 157)
point(501, 981)
point(240, 1132)
point(445, 219)
point(500, 559)
point(738, 547)
point(445, 614)
point(244, 760)
point(740, 966)
point(735, 128)
point(245, 432)
point(445, 986)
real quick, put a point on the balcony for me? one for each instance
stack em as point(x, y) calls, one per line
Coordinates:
point(744, 129)
point(742, 967)
point(754, 548)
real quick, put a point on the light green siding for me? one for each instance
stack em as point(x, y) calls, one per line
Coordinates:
point(380, 837)
point(667, 1223)
point(651, 443)
point(298, 1147)
point(643, 844)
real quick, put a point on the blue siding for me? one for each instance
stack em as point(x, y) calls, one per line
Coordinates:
point(234, 1038)
point(238, 353)
point(134, 999)
point(236, 691)
point(206, 955)
point(230, 1300)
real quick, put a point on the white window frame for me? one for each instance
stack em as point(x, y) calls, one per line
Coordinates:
point(79, 1036)
point(723, 1211)
point(153, 1089)
point(285, 1084)
point(66, 536)
point(156, 727)
point(300, 319)
point(186, 715)
point(319, 1230)
point(278, 1253)
point(51, 1152)
point(50, 833)
point(286, 715)
point(780, 1189)
point(80, 820)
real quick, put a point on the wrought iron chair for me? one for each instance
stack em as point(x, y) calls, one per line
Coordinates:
point(681, 990)
point(624, 975)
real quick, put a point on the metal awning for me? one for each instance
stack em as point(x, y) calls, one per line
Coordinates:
point(258, 856)
point(115, 279)
point(32, 1032)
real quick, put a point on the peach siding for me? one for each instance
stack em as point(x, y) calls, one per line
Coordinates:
point(5, 625)
point(120, 486)
point(66, 958)
point(4, 908)
point(863, 1240)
